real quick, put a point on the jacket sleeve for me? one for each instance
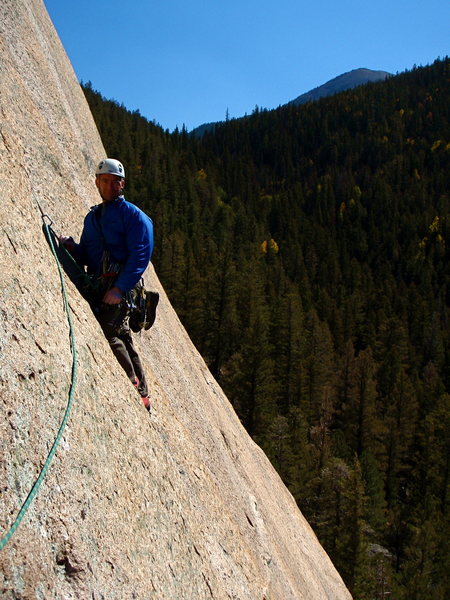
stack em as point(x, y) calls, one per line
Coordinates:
point(79, 250)
point(139, 242)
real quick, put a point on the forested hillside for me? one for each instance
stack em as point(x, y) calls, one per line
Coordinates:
point(306, 250)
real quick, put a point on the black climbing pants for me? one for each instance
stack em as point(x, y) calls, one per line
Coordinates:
point(113, 319)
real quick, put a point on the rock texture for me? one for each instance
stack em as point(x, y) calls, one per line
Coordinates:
point(179, 505)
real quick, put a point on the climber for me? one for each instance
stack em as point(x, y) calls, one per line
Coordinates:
point(116, 246)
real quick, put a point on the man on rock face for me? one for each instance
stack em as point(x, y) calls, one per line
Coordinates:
point(116, 246)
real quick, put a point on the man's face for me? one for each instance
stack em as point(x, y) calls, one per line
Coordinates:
point(109, 186)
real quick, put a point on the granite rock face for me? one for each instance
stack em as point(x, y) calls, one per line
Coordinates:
point(181, 505)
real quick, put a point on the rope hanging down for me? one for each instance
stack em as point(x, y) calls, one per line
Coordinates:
point(37, 484)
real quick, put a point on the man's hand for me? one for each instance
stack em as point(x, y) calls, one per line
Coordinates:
point(67, 242)
point(113, 296)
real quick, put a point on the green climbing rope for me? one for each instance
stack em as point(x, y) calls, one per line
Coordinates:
point(37, 484)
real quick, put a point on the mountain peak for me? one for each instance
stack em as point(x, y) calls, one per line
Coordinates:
point(343, 82)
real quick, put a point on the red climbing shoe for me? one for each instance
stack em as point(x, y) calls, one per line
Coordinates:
point(146, 401)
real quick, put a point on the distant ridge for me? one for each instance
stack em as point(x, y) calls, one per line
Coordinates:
point(343, 82)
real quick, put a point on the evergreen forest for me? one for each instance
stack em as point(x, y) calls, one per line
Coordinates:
point(306, 250)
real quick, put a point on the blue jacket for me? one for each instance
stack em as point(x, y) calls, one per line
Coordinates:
point(124, 230)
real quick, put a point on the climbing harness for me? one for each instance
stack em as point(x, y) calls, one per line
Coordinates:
point(37, 484)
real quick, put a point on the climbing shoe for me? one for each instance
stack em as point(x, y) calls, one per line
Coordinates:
point(151, 304)
point(142, 308)
point(146, 401)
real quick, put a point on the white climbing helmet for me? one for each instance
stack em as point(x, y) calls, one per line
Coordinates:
point(111, 166)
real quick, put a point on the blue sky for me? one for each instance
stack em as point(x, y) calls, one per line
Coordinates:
point(189, 62)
